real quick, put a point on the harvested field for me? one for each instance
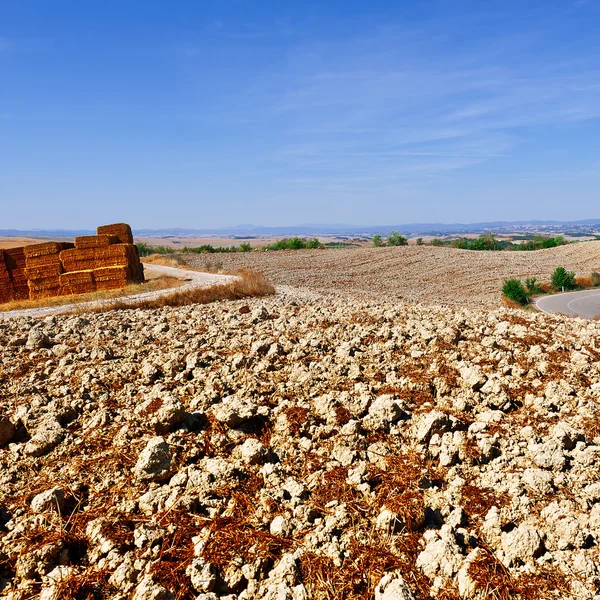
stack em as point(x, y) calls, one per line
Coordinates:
point(414, 273)
point(302, 447)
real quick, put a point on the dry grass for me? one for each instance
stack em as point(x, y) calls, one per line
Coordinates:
point(358, 574)
point(171, 260)
point(249, 284)
point(493, 579)
point(89, 585)
point(508, 303)
point(584, 281)
point(159, 283)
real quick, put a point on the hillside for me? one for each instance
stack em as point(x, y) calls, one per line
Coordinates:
point(414, 273)
point(300, 447)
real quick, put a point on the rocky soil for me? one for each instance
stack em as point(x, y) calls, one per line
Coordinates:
point(300, 447)
point(415, 273)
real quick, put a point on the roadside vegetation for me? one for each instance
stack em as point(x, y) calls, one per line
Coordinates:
point(248, 284)
point(515, 293)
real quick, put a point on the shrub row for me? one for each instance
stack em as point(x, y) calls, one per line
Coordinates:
point(561, 280)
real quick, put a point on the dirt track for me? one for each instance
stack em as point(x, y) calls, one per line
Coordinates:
point(415, 273)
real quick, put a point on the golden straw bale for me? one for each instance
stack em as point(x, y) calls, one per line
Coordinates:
point(51, 270)
point(14, 258)
point(45, 249)
point(44, 284)
point(21, 292)
point(95, 241)
point(18, 277)
point(77, 278)
point(38, 262)
point(121, 230)
point(113, 272)
point(43, 294)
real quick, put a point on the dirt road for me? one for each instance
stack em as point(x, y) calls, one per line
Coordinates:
point(194, 278)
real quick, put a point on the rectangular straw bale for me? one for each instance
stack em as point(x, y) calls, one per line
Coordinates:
point(18, 277)
point(112, 272)
point(77, 278)
point(38, 262)
point(44, 294)
point(44, 284)
point(51, 270)
point(121, 230)
point(95, 241)
point(6, 294)
point(45, 249)
point(21, 292)
point(14, 258)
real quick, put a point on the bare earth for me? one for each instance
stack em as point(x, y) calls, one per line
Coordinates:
point(308, 446)
point(414, 273)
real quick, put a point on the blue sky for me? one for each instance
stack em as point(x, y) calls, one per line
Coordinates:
point(208, 114)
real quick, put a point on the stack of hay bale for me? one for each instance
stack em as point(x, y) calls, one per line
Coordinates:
point(14, 259)
point(106, 261)
point(43, 269)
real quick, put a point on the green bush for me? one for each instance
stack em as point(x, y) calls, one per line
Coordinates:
point(377, 241)
point(146, 250)
point(513, 289)
point(294, 243)
point(245, 247)
point(563, 279)
point(437, 242)
point(419, 241)
point(532, 286)
point(539, 242)
point(395, 239)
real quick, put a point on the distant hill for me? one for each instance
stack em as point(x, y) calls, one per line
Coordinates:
point(590, 225)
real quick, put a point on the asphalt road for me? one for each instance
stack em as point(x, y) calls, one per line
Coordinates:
point(195, 279)
point(577, 304)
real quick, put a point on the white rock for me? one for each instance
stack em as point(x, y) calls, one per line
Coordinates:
point(280, 526)
point(440, 557)
point(154, 462)
point(148, 590)
point(52, 499)
point(393, 587)
point(252, 452)
point(521, 545)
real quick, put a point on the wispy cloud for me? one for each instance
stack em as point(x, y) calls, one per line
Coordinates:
point(413, 103)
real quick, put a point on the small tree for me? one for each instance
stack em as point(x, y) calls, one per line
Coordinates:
point(513, 289)
point(245, 247)
point(419, 241)
point(437, 242)
point(377, 241)
point(563, 279)
point(395, 239)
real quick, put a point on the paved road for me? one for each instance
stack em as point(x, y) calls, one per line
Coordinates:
point(577, 304)
point(195, 278)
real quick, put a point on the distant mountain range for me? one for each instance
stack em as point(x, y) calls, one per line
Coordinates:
point(248, 230)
